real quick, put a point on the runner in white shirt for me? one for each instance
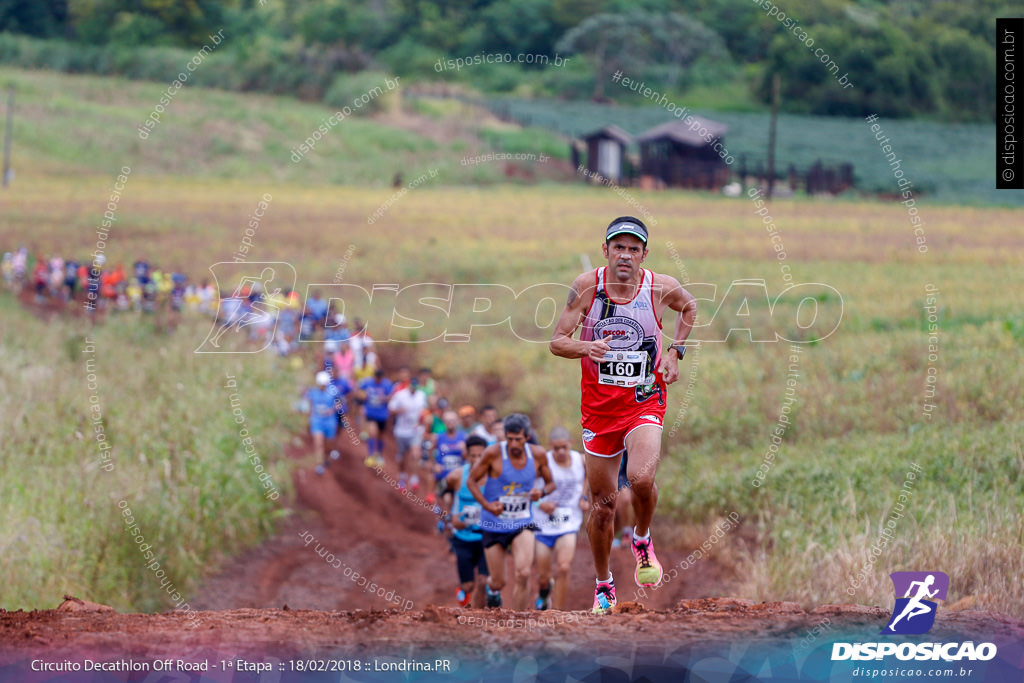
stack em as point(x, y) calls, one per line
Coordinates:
point(408, 404)
point(558, 517)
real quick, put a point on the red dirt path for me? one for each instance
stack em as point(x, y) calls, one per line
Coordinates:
point(370, 527)
point(283, 602)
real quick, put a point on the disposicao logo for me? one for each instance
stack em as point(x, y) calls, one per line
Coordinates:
point(914, 614)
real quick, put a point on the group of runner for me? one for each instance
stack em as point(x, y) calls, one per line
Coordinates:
point(277, 319)
point(497, 492)
point(143, 287)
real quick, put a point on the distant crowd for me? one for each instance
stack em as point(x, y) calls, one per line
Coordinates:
point(141, 288)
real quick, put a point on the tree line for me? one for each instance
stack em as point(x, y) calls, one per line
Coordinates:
point(906, 58)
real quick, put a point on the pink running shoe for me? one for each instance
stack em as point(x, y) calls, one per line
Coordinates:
point(604, 598)
point(648, 569)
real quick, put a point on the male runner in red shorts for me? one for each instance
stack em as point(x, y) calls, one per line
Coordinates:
point(625, 374)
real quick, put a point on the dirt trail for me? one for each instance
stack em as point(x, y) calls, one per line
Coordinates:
point(370, 528)
point(300, 597)
point(697, 640)
point(282, 608)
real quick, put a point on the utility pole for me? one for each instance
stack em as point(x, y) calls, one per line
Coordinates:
point(771, 134)
point(8, 134)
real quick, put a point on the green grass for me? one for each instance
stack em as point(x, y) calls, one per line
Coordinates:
point(826, 503)
point(514, 140)
point(177, 461)
point(734, 95)
point(857, 423)
point(213, 134)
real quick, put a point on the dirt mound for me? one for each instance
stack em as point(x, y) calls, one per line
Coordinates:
point(73, 604)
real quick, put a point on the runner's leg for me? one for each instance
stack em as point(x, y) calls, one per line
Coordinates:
point(371, 438)
point(495, 555)
point(543, 555)
point(482, 572)
point(318, 446)
point(644, 446)
point(565, 549)
point(602, 473)
point(522, 556)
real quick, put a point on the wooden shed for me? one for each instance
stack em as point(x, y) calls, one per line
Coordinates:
point(678, 154)
point(606, 153)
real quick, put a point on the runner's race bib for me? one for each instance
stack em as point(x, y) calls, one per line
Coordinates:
point(451, 462)
point(623, 368)
point(561, 520)
point(471, 515)
point(516, 507)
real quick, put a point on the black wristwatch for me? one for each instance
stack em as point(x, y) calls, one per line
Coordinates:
point(679, 349)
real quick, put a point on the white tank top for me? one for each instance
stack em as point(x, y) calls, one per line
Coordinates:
point(567, 517)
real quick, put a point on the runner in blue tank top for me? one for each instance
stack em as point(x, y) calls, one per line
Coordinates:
point(509, 469)
point(467, 543)
point(451, 446)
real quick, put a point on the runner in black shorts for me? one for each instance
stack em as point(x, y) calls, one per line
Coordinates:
point(467, 543)
point(509, 470)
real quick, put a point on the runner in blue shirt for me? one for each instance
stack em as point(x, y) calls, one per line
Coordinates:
point(448, 456)
point(508, 470)
point(374, 392)
point(317, 307)
point(323, 421)
point(467, 543)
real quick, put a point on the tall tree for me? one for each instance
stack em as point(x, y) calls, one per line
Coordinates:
point(181, 22)
point(34, 17)
point(630, 42)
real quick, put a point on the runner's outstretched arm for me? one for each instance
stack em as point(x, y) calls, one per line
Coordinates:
point(684, 303)
point(581, 295)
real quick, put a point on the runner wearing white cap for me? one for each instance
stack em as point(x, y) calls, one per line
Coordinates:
point(323, 421)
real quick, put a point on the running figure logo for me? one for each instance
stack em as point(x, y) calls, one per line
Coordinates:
point(252, 293)
point(914, 613)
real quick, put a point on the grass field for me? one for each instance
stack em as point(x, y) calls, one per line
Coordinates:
point(221, 135)
point(177, 461)
point(857, 419)
point(857, 423)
